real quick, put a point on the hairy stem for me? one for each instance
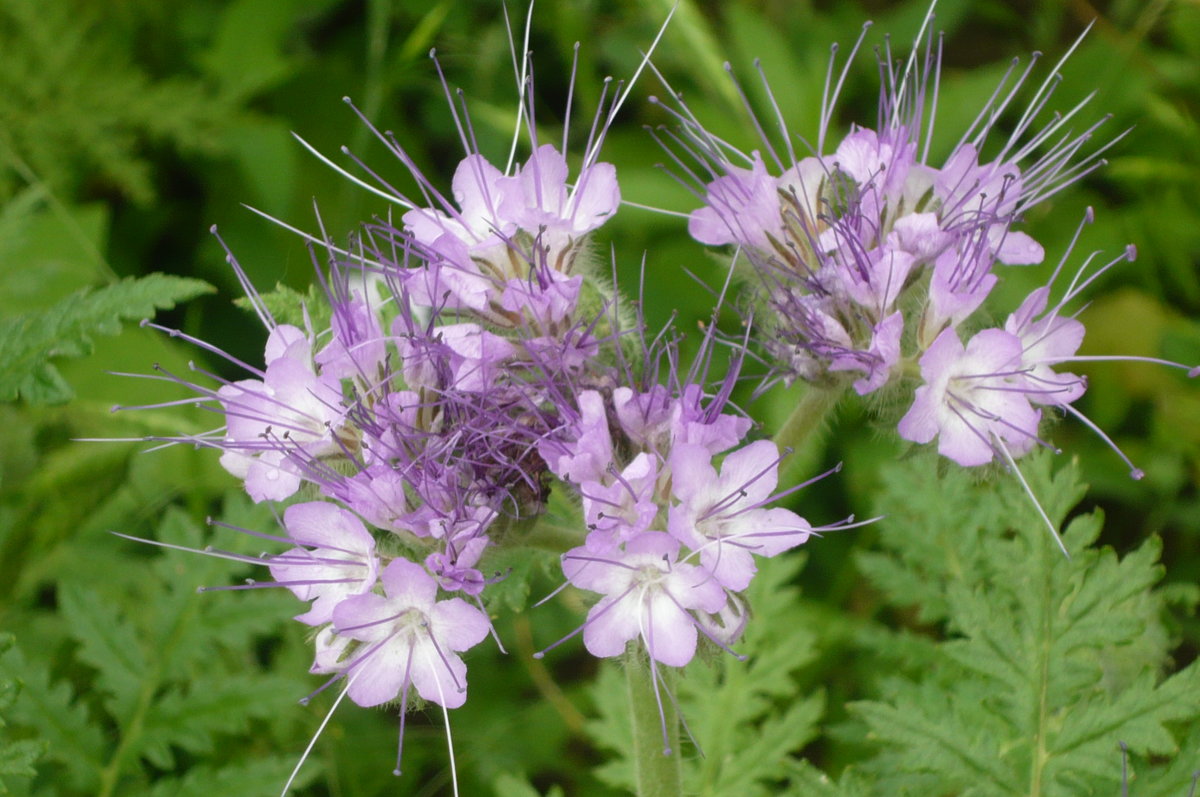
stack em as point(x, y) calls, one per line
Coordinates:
point(657, 765)
point(801, 431)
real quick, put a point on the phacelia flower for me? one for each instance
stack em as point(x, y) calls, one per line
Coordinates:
point(868, 249)
point(271, 422)
point(723, 516)
point(409, 639)
point(973, 398)
point(341, 562)
point(648, 594)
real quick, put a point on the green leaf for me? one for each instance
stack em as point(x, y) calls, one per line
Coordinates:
point(260, 29)
point(193, 716)
point(108, 643)
point(1049, 663)
point(509, 785)
point(526, 556)
point(519, 566)
point(807, 779)
point(58, 249)
point(53, 711)
point(611, 730)
point(290, 306)
point(159, 669)
point(751, 717)
point(17, 757)
point(77, 106)
point(28, 342)
point(260, 777)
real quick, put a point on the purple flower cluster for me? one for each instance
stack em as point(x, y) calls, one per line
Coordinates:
point(859, 246)
point(875, 260)
point(473, 362)
point(671, 539)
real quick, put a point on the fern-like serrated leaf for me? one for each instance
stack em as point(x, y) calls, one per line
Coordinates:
point(748, 717)
point(509, 785)
point(808, 780)
point(1052, 662)
point(934, 740)
point(75, 103)
point(17, 757)
point(195, 699)
point(165, 675)
point(28, 342)
point(1169, 778)
point(107, 643)
point(257, 778)
point(516, 569)
point(911, 575)
point(190, 627)
point(515, 566)
point(190, 718)
point(54, 713)
point(611, 728)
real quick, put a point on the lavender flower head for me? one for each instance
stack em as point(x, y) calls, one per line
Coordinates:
point(673, 535)
point(873, 259)
point(860, 243)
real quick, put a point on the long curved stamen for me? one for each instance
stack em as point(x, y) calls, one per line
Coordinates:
point(1016, 471)
point(403, 708)
point(313, 741)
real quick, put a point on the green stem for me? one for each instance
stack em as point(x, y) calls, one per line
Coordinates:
point(658, 773)
point(801, 431)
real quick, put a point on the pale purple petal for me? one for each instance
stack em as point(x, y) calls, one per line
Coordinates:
point(752, 471)
point(730, 564)
point(286, 340)
point(610, 624)
point(596, 570)
point(669, 632)
point(741, 207)
point(380, 676)
point(408, 584)
point(325, 525)
point(269, 479)
point(595, 199)
point(458, 625)
point(1015, 248)
point(884, 351)
point(920, 235)
point(439, 681)
point(477, 190)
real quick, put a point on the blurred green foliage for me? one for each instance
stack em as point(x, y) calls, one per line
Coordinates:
point(128, 128)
